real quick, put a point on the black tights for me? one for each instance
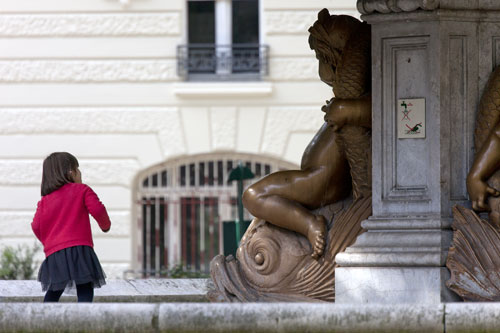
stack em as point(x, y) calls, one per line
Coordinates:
point(84, 292)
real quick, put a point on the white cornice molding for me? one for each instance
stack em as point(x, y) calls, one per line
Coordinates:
point(222, 89)
point(394, 6)
point(79, 25)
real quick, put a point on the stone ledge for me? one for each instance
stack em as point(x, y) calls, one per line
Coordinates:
point(150, 290)
point(229, 317)
point(248, 317)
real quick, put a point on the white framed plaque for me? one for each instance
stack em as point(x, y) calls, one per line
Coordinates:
point(411, 118)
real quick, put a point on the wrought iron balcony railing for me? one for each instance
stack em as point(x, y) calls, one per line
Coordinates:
point(222, 62)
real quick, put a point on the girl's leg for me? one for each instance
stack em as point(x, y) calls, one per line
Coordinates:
point(52, 296)
point(85, 292)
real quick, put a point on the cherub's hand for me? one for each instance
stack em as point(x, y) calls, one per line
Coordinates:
point(336, 113)
point(479, 192)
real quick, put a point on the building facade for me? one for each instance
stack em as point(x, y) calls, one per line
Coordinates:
point(158, 99)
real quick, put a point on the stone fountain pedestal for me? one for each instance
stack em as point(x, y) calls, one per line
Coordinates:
point(441, 53)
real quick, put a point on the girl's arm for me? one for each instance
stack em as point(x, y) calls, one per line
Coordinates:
point(35, 225)
point(97, 209)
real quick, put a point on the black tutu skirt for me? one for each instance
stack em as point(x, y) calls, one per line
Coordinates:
point(71, 266)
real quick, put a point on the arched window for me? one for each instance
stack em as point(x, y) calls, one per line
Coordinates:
point(182, 205)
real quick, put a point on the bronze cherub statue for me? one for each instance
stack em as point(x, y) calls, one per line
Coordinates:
point(285, 198)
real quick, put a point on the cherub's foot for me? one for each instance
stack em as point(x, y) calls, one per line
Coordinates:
point(316, 236)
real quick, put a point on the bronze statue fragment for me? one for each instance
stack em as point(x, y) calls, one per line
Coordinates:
point(305, 217)
point(473, 258)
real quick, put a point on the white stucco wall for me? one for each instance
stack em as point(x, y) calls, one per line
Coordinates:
point(98, 78)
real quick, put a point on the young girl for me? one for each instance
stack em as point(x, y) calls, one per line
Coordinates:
point(62, 224)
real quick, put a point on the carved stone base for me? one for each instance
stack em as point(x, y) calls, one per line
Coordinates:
point(274, 264)
point(390, 285)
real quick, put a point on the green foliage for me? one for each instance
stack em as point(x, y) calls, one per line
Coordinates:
point(17, 263)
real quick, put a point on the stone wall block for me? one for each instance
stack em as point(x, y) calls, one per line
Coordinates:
point(96, 25)
point(80, 71)
point(223, 124)
point(294, 69)
point(283, 120)
point(163, 121)
point(289, 22)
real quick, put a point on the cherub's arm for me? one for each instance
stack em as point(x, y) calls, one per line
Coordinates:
point(487, 161)
point(340, 112)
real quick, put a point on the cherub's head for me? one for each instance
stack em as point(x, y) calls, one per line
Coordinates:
point(328, 37)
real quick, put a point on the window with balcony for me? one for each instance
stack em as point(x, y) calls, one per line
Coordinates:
point(222, 41)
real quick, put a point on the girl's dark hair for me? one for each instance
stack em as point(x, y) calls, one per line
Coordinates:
point(56, 171)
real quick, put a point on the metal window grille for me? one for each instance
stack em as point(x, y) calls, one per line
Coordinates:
point(181, 206)
point(222, 62)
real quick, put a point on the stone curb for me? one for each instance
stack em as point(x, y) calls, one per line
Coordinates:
point(137, 291)
point(472, 317)
point(223, 317)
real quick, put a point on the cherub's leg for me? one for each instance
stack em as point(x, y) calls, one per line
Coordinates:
point(281, 198)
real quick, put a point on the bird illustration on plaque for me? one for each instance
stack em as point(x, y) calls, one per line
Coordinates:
point(411, 118)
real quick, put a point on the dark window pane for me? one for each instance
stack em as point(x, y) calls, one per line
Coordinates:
point(144, 236)
point(246, 22)
point(162, 242)
point(267, 169)
point(220, 174)
point(201, 22)
point(248, 164)
point(192, 174)
point(164, 178)
point(246, 57)
point(229, 167)
point(201, 167)
point(154, 180)
point(188, 231)
point(210, 232)
point(211, 173)
point(145, 182)
point(190, 214)
point(201, 30)
point(258, 171)
point(152, 233)
point(182, 175)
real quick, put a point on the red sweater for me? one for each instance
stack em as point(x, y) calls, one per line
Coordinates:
point(62, 217)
